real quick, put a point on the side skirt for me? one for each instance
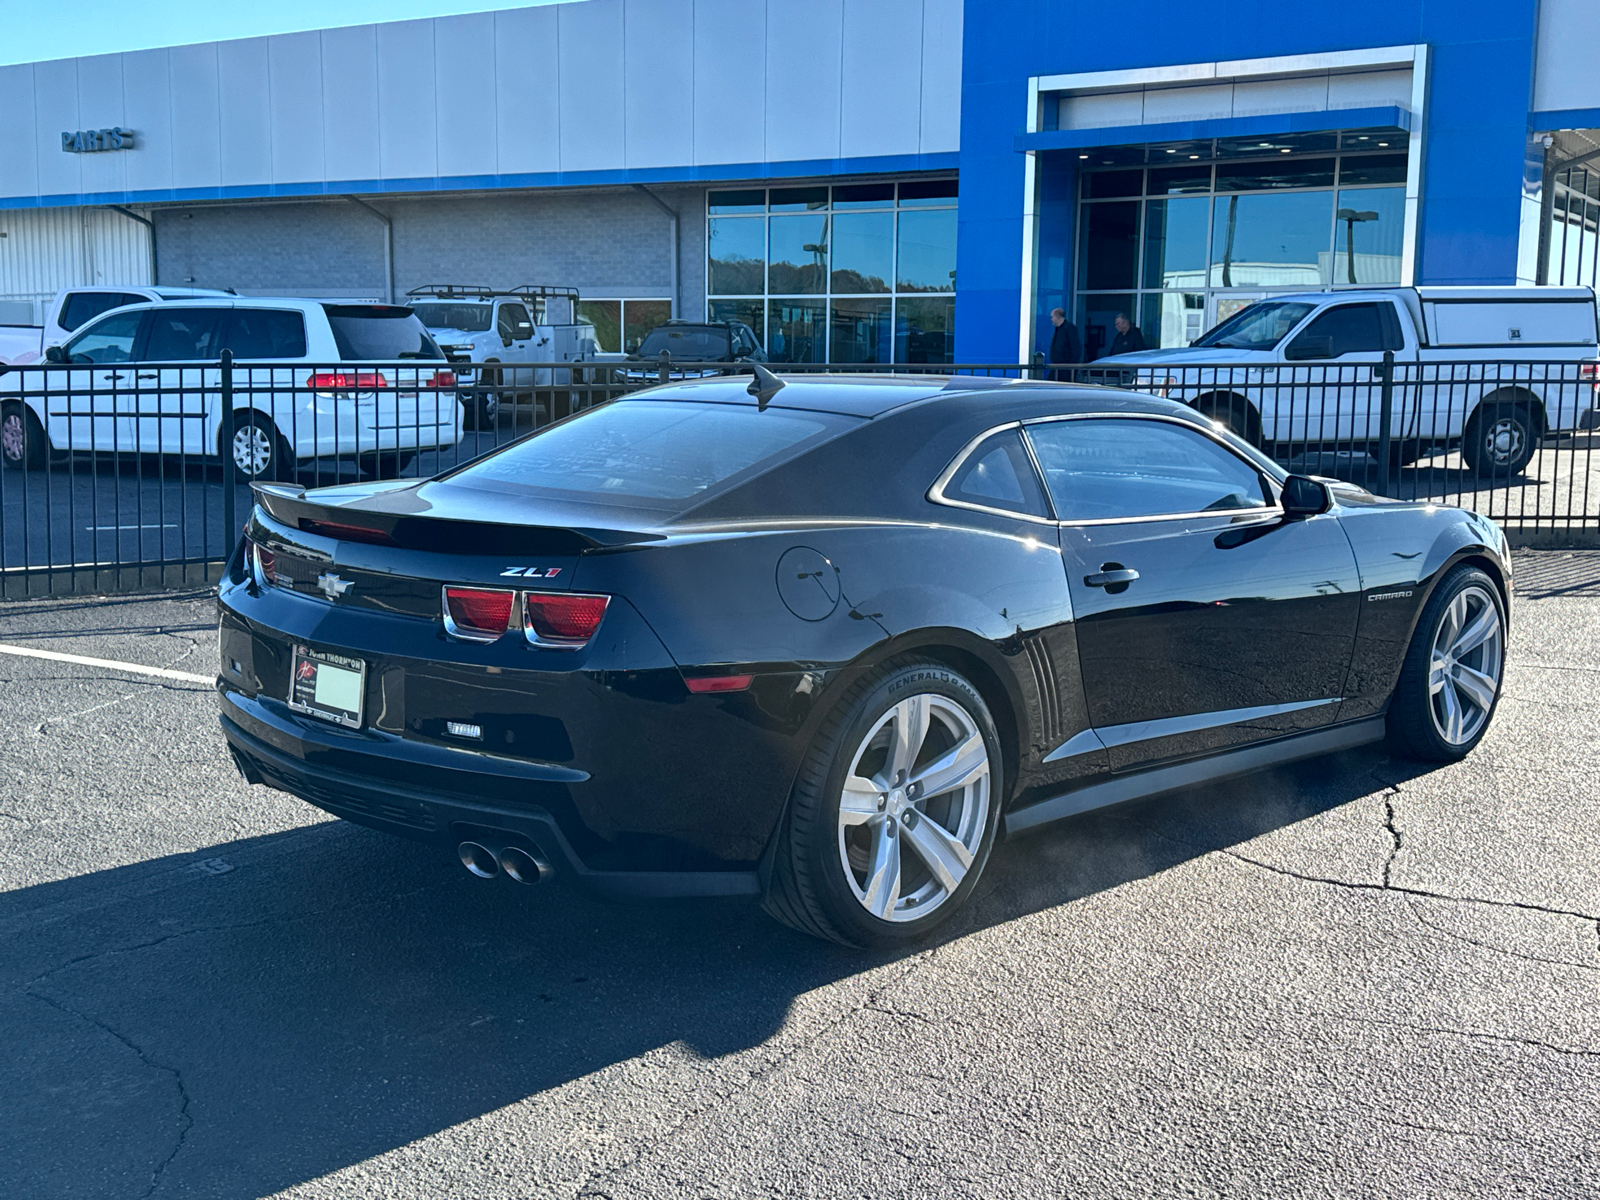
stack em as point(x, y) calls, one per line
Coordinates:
point(1178, 776)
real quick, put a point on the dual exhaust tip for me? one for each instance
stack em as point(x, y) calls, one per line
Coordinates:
point(525, 864)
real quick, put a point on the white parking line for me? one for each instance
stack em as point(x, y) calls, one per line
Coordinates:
point(107, 528)
point(108, 664)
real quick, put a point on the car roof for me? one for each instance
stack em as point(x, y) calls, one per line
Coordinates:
point(227, 301)
point(877, 395)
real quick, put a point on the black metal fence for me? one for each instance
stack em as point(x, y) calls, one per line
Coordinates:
point(121, 476)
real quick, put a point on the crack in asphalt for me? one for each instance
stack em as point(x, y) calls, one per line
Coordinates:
point(185, 1121)
point(1388, 823)
point(1445, 1129)
point(1473, 1034)
point(1461, 937)
point(595, 1183)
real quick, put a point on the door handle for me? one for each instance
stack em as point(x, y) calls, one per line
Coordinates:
point(150, 375)
point(1111, 576)
point(112, 376)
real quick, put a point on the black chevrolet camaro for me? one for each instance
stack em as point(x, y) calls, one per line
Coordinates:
point(824, 642)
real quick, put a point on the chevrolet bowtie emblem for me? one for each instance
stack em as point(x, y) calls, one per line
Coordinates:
point(332, 586)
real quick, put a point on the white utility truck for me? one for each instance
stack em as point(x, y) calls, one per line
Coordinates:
point(528, 324)
point(1492, 371)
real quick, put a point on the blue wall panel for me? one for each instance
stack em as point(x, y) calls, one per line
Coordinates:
point(1477, 121)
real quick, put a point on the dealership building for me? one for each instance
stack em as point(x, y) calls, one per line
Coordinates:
point(858, 180)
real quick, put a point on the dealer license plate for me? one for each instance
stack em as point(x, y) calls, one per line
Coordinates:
point(329, 686)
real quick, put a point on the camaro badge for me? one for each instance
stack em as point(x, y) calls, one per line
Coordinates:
point(1389, 595)
point(332, 586)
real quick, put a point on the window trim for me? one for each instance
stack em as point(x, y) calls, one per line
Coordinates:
point(936, 493)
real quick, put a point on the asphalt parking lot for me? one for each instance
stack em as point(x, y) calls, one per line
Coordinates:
point(1350, 978)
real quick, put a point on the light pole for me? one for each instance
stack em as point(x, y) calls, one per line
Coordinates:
point(1350, 216)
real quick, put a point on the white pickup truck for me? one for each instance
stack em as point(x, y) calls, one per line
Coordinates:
point(531, 324)
point(1492, 371)
point(73, 308)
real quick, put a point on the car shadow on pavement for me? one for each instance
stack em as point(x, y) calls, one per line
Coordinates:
point(265, 1012)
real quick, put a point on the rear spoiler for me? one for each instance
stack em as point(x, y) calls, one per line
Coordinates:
point(287, 503)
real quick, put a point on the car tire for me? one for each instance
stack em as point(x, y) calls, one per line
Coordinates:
point(1500, 440)
point(259, 451)
point(384, 464)
point(1451, 678)
point(838, 870)
point(23, 445)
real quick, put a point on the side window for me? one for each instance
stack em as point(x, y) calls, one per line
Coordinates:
point(182, 334)
point(79, 308)
point(1110, 469)
point(998, 474)
point(266, 333)
point(107, 341)
point(1352, 328)
point(514, 322)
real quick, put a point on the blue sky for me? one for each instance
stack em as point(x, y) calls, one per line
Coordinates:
point(35, 30)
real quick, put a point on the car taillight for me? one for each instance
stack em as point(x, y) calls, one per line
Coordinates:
point(561, 620)
point(346, 381)
point(442, 379)
point(1589, 372)
point(477, 614)
point(719, 683)
point(263, 563)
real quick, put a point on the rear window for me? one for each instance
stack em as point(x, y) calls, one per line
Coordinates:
point(469, 318)
point(658, 454)
point(85, 306)
point(695, 343)
point(379, 333)
point(268, 333)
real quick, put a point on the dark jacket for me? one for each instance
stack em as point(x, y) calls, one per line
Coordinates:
point(1065, 344)
point(1127, 343)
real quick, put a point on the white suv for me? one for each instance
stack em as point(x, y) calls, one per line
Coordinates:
point(313, 379)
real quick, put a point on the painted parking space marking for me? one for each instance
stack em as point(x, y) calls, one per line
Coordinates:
point(108, 664)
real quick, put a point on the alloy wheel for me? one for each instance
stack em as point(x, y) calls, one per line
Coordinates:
point(13, 437)
point(252, 450)
point(1464, 666)
point(914, 807)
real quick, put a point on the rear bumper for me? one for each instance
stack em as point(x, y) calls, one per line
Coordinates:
point(443, 819)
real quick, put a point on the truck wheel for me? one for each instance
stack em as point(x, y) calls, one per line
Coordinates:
point(894, 810)
point(23, 445)
point(1500, 440)
point(1237, 413)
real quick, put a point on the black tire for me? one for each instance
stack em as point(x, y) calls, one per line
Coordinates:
point(1237, 413)
point(384, 464)
point(808, 888)
point(23, 445)
point(271, 461)
point(1500, 440)
point(1414, 722)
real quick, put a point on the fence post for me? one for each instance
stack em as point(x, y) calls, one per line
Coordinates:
point(665, 369)
point(1386, 418)
point(229, 534)
point(1038, 365)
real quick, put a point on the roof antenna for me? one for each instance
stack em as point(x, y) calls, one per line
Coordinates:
point(764, 386)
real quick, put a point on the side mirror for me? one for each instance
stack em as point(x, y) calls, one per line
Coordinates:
point(1304, 496)
point(1309, 347)
point(55, 354)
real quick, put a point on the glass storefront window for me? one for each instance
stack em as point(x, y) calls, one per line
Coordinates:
point(1103, 184)
point(1110, 245)
point(797, 331)
point(1372, 168)
point(1265, 176)
point(798, 255)
point(1171, 181)
point(747, 312)
point(860, 331)
point(1373, 220)
point(1097, 317)
point(606, 317)
point(837, 273)
point(924, 330)
point(1172, 318)
point(927, 245)
point(1271, 240)
point(639, 317)
point(863, 251)
point(737, 255)
point(1175, 242)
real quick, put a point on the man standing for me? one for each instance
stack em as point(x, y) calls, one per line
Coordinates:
point(1128, 337)
point(1066, 348)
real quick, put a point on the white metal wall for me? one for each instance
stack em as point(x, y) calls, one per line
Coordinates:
point(596, 85)
point(1568, 48)
point(43, 250)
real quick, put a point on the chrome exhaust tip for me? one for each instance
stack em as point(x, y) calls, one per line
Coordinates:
point(479, 859)
point(524, 865)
